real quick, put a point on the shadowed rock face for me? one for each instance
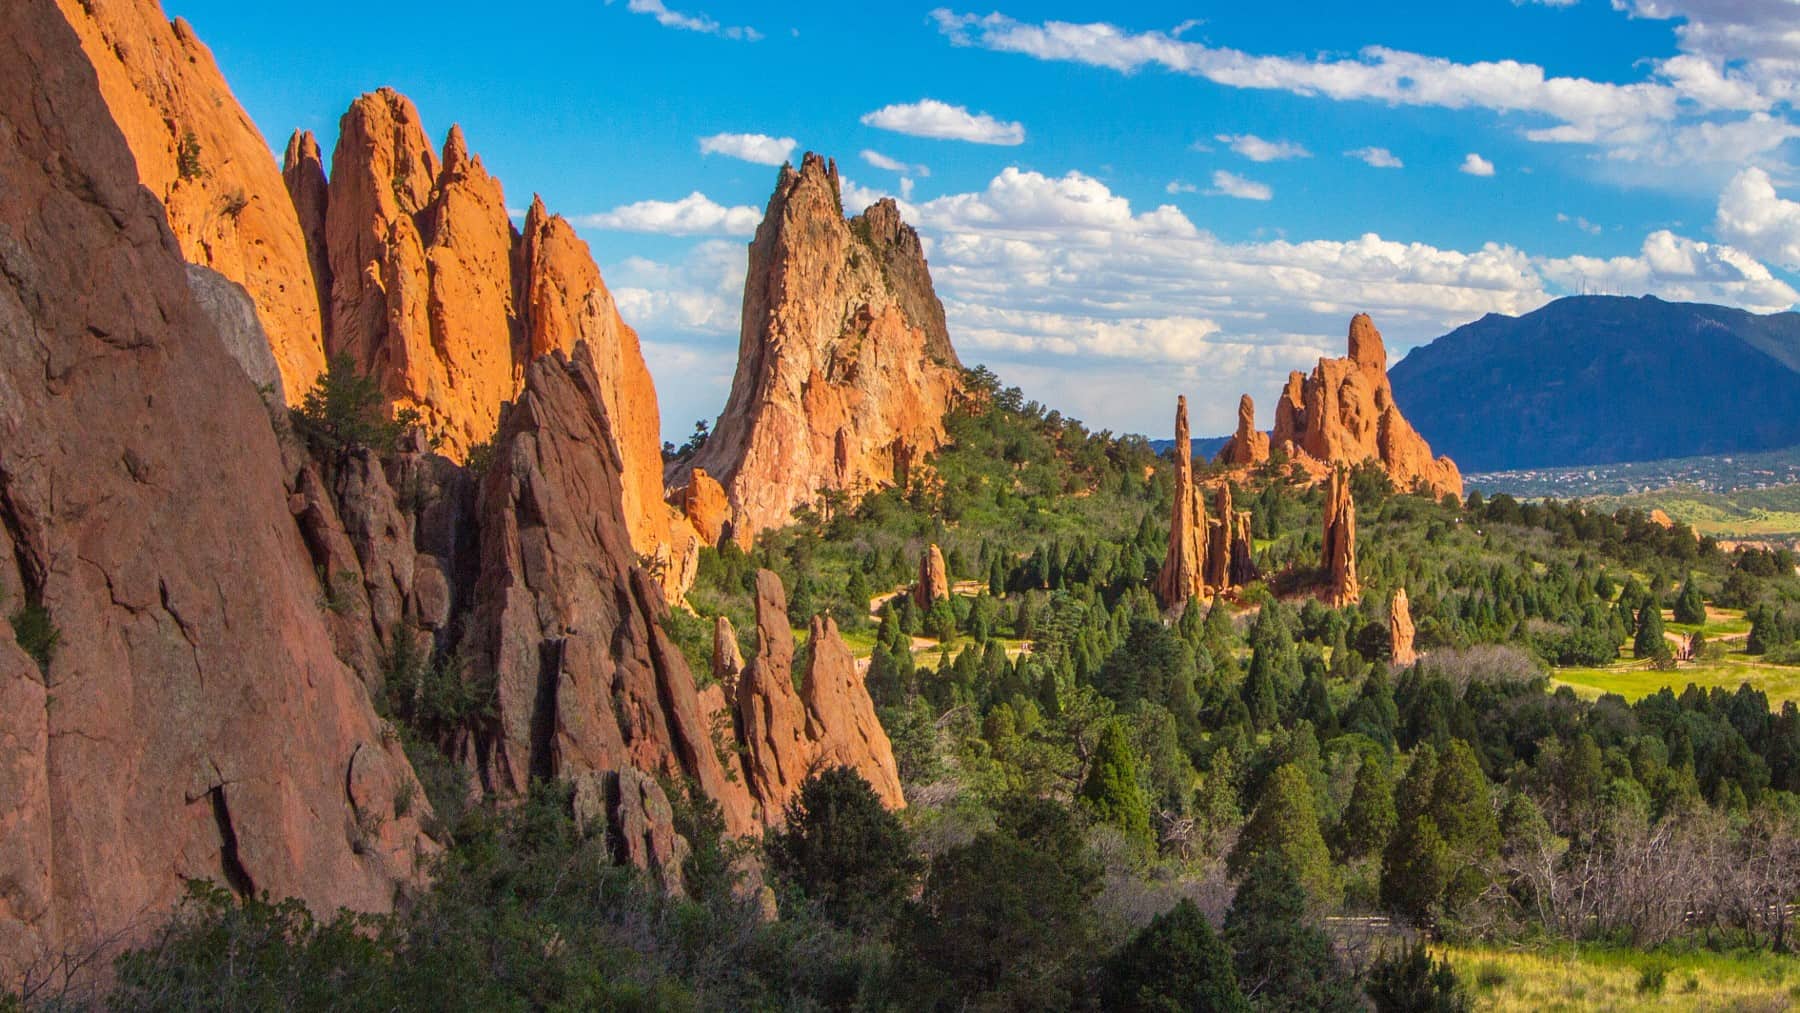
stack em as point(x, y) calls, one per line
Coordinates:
point(1344, 414)
point(199, 154)
point(842, 382)
point(194, 720)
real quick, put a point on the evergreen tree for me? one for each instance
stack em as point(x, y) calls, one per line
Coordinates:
point(1112, 792)
point(1284, 962)
point(1369, 818)
point(1413, 982)
point(843, 849)
point(1415, 870)
point(1285, 825)
point(1690, 607)
point(1649, 644)
point(1175, 963)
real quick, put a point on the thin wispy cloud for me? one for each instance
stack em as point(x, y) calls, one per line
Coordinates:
point(1380, 158)
point(881, 161)
point(690, 22)
point(1579, 222)
point(1735, 81)
point(1258, 150)
point(943, 121)
point(693, 215)
point(760, 149)
point(1230, 184)
point(1177, 186)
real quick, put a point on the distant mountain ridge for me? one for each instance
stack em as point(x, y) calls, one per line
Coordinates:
point(1604, 380)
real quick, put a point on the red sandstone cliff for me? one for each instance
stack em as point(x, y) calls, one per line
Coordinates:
point(844, 371)
point(194, 720)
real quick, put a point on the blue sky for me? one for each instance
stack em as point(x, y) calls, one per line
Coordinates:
point(1121, 202)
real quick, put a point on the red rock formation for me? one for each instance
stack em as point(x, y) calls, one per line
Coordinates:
point(1345, 414)
point(1228, 546)
point(587, 678)
point(839, 384)
point(199, 724)
point(788, 735)
point(1661, 519)
point(199, 154)
point(1247, 446)
point(1243, 563)
point(704, 505)
point(1340, 540)
point(934, 579)
point(1400, 630)
point(1183, 571)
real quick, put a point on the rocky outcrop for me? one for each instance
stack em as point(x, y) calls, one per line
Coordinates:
point(198, 152)
point(704, 505)
point(727, 660)
point(789, 734)
point(1400, 630)
point(1340, 541)
point(635, 814)
point(585, 677)
point(1344, 414)
point(1247, 446)
point(1206, 555)
point(233, 316)
point(193, 720)
point(840, 384)
point(934, 578)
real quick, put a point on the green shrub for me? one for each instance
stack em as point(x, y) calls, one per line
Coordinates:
point(187, 157)
point(1653, 977)
point(346, 410)
point(36, 634)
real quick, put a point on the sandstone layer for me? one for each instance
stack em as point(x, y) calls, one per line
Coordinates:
point(1344, 414)
point(193, 720)
point(198, 152)
point(844, 374)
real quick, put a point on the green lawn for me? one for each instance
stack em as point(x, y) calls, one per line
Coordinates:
point(1780, 682)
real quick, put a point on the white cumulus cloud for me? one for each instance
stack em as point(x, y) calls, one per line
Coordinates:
point(1475, 165)
point(693, 215)
point(760, 149)
point(1753, 216)
point(941, 120)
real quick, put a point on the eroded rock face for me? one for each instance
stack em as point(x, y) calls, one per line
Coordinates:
point(1183, 573)
point(587, 680)
point(1344, 413)
point(1228, 547)
point(198, 152)
point(934, 578)
point(193, 733)
point(840, 384)
point(303, 172)
point(1247, 446)
point(1400, 629)
point(788, 735)
point(1340, 541)
point(727, 660)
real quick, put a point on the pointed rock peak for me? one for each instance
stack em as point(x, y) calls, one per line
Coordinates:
point(1400, 630)
point(536, 215)
point(456, 150)
point(1366, 348)
point(1181, 421)
point(302, 150)
point(1246, 413)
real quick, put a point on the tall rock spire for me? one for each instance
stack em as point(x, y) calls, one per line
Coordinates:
point(1183, 571)
point(1246, 446)
point(1400, 629)
point(1340, 540)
